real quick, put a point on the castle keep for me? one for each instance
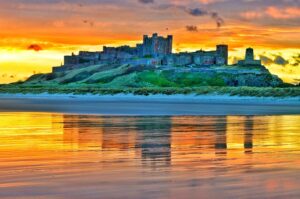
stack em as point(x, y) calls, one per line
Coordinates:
point(155, 46)
point(156, 51)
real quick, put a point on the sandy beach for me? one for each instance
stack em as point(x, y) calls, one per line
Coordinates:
point(149, 105)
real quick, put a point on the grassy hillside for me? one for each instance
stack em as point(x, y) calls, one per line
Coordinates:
point(124, 76)
point(145, 80)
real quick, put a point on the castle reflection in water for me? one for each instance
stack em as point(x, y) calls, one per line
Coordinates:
point(155, 141)
point(161, 141)
point(160, 157)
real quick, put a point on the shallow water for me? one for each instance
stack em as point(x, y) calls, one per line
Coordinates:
point(47, 155)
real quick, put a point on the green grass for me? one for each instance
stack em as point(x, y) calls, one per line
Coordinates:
point(113, 79)
point(94, 89)
point(155, 78)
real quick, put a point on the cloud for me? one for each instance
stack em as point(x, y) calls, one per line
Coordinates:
point(5, 75)
point(273, 12)
point(191, 28)
point(296, 60)
point(266, 60)
point(280, 60)
point(283, 13)
point(207, 1)
point(277, 59)
point(219, 21)
point(196, 12)
point(91, 23)
point(199, 12)
point(146, 1)
point(34, 47)
point(251, 15)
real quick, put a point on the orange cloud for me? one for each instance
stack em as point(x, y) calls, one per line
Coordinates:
point(35, 47)
point(251, 15)
point(274, 12)
point(284, 13)
point(208, 1)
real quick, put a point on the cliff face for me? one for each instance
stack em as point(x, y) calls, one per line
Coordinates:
point(122, 76)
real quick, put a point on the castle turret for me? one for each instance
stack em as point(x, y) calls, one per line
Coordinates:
point(249, 59)
point(170, 44)
point(222, 52)
point(249, 54)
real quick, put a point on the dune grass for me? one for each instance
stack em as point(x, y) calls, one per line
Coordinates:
point(203, 90)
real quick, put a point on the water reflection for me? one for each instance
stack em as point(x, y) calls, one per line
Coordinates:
point(151, 157)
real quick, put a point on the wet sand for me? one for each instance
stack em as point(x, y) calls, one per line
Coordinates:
point(149, 105)
point(63, 156)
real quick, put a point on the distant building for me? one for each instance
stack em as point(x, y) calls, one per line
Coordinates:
point(249, 59)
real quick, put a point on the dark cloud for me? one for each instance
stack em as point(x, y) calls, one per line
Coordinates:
point(196, 12)
point(35, 47)
point(91, 23)
point(146, 1)
point(280, 60)
point(199, 12)
point(266, 60)
point(219, 20)
point(192, 28)
point(296, 60)
point(5, 75)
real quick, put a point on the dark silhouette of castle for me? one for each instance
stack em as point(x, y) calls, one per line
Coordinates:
point(156, 51)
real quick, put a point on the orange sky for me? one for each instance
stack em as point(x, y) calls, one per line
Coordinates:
point(35, 34)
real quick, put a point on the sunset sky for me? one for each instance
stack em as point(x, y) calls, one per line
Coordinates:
point(35, 34)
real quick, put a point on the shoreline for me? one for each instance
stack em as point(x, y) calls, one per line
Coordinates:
point(154, 105)
point(193, 98)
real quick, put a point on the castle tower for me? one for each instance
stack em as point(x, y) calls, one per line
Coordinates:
point(249, 55)
point(249, 59)
point(157, 45)
point(222, 51)
point(170, 44)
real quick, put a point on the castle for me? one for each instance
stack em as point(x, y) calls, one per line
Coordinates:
point(155, 50)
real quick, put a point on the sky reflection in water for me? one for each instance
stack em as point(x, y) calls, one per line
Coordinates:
point(79, 156)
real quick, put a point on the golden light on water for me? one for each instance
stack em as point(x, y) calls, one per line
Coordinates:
point(67, 154)
point(95, 131)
